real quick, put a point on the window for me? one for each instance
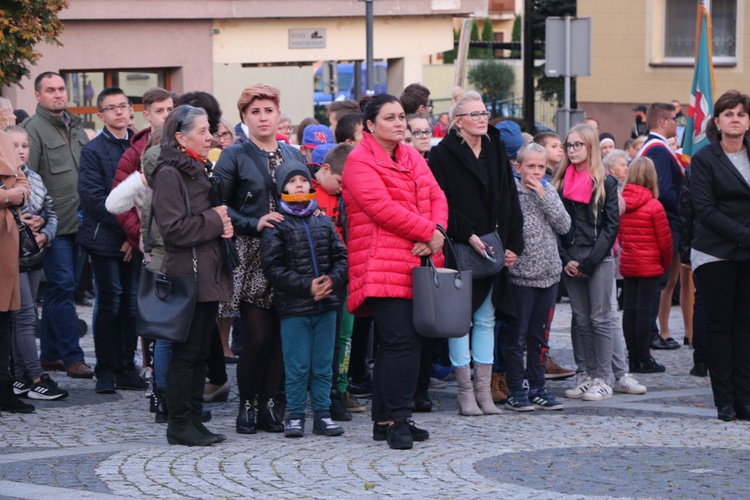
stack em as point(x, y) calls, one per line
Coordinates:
point(679, 29)
point(84, 86)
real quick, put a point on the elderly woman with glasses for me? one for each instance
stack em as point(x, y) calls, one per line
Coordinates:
point(471, 166)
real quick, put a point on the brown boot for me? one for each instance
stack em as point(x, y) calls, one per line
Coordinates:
point(482, 380)
point(467, 401)
point(553, 371)
point(499, 388)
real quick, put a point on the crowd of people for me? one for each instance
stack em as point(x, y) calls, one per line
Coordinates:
point(303, 241)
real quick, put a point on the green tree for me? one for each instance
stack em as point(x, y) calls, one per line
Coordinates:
point(23, 24)
point(515, 36)
point(492, 78)
point(488, 35)
point(475, 52)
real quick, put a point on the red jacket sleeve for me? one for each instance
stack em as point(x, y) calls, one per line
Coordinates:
point(663, 234)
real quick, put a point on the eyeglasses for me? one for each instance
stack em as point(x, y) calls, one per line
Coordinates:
point(419, 134)
point(673, 118)
point(575, 146)
point(122, 107)
point(223, 135)
point(476, 115)
point(429, 105)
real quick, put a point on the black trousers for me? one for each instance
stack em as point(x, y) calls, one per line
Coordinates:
point(217, 366)
point(725, 286)
point(638, 298)
point(5, 323)
point(699, 324)
point(194, 351)
point(394, 378)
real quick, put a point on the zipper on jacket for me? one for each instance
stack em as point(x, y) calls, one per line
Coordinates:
point(247, 198)
point(312, 254)
point(96, 230)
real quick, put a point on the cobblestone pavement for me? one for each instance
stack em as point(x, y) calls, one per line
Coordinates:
point(665, 444)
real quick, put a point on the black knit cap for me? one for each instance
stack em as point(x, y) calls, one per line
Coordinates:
point(289, 169)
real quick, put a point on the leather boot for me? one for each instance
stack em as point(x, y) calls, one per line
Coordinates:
point(161, 413)
point(467, 401)
point(246, 418)
point(196, 400)
point(9, 402)
point(180, 428)
point(482, 381)
point(268, 420)
point(499, 388)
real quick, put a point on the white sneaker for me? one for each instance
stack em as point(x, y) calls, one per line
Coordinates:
point(627, 384)
point(583, 382)
point(598, 391)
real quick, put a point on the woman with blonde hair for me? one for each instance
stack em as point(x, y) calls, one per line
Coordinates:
point(471, 166)
point(590, 198)
point(7, 116)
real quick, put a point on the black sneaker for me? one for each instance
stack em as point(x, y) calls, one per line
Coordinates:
point(323, 425)
point(294, 428)
point(648, 364)
point(337, 409)
point(380, 432)
point(398, 436)
point(47, 389)
point(542, 400)
point(519, 401)
point(360, 390)
point(105, 383)
point(130, 380)
point(21, 387)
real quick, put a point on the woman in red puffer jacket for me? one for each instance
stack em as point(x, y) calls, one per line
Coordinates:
point(393, 207)
point(646, 253)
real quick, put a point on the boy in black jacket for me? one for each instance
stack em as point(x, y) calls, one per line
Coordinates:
point(305, 261)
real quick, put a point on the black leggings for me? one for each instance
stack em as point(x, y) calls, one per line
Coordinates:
point(260, 367)
point(638, 296)
point(5, 323)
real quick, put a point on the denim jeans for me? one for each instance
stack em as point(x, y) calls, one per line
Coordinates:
point(162, 355)
point(482, 337)
point(307, 342)
point(25, 355)
point(529, 332)
point(59, 331)
point(116, 285)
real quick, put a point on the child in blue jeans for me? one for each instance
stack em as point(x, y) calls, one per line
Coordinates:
point(534, 278)
point(305, 261)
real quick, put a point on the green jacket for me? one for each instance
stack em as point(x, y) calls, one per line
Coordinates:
point(54, 151)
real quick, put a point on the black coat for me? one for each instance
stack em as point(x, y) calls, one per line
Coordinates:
point(476, 206)
point(100, 233)
point(721, 199)
point(293, 253)
point(246, 189)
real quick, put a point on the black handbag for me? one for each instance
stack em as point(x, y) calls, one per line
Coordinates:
point(442, 299)
point(482, 266)
point(166, 303)
point(30, 254)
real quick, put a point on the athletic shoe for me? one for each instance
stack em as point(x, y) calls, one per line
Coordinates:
point(47, 389)
point(598, 391)
point(294, 428)
point(699, 370)
point(627, 384)
point(21, 387)
point(518, 401)
point(105, 383)
point(398, 436)
point(544, 401)
point(380, 432)
point(352, 404)
point(323, 425)
point(583, 382)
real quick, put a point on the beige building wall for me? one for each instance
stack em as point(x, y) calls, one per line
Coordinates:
point(627, 67)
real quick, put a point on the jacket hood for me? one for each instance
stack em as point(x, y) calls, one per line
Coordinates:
point(140, 139)
point(635, 197)
point(179, 160)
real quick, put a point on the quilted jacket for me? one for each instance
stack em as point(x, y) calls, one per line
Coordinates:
point(130, 162)
point(390, 205)
point(644, 235)
point(293, 253)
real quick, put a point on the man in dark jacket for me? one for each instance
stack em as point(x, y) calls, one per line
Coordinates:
point(56, 137)
point(114, 262)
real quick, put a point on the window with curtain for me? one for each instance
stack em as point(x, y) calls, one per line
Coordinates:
point(679, 28)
